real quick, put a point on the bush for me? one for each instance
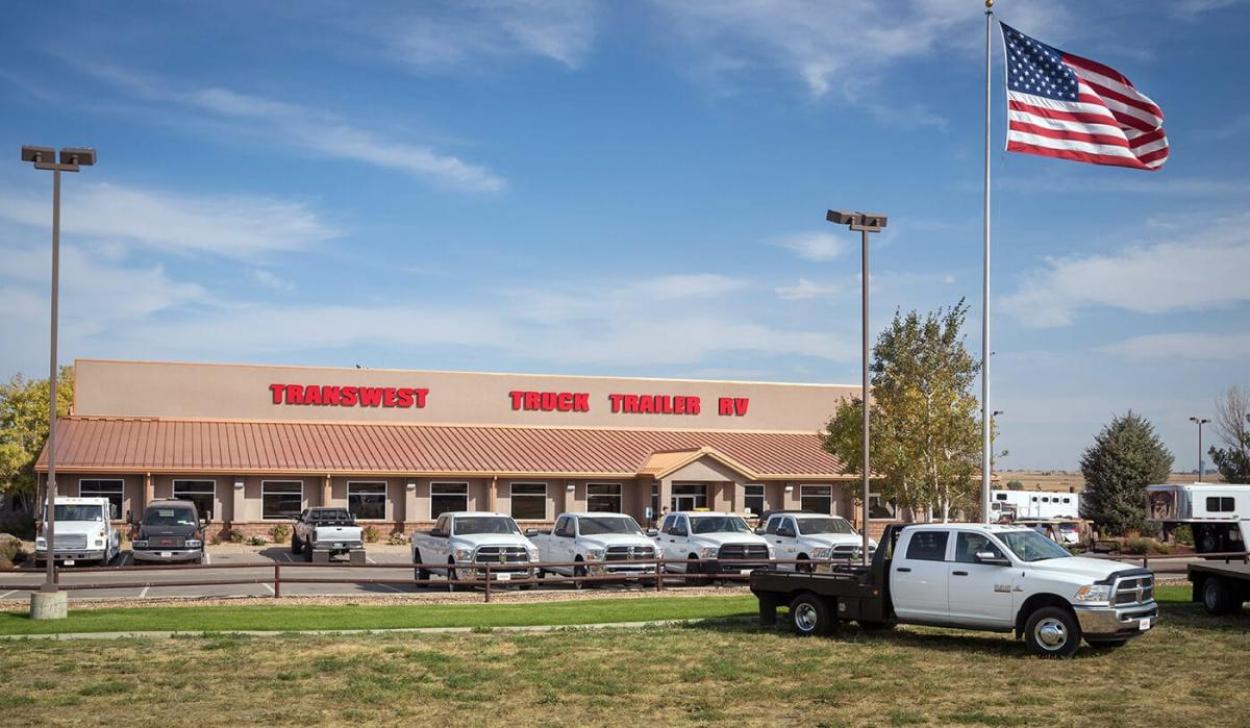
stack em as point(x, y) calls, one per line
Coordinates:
point(10, 550)
point(257, 541)
point(397, 539)
point(372, 534)
point(1137, 546)
point(236, 536)
point(20, 526)
point(1184, 535)
point(1015, 485)
point(280, 533)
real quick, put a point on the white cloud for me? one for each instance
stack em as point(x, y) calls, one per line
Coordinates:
point(814, 246)
point(806, 290)
point(267, 279)
point(1190, 346)
point(1193, 10)
point(695, 285)
point(1194, 272)
point(228, 226)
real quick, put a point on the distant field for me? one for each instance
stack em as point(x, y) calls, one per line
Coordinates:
point(1060, 481)
point(1191, 671)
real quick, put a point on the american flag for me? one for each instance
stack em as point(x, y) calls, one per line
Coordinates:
point(1061, 105)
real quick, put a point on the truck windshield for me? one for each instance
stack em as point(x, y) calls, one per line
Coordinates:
point(169, 517)
point(1032, 546)
point(82, 512)
point(812, 526)
point(329, 514)
point(597, 525)
point(718, 524)
point(477, 524)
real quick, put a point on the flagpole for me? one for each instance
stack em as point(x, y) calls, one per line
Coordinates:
point(986, 425)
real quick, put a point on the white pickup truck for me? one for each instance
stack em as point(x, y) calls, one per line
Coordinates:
point(83, 532)
point(595, 544)
point(991, 577)
point(322, 533)
point(465, 539)
point(811, 537)
point(689, 539)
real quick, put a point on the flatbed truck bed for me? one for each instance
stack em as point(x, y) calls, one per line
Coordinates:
point(1222, 586)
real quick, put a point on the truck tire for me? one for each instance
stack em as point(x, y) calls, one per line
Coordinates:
point(308, 554)
point(693, 567)
point(812, 615)
point(297, 546)
point(1217, 596)
point(451, 576)
point(579, 571)
point(418, 573)
point(1052, 632)
point(805, 565)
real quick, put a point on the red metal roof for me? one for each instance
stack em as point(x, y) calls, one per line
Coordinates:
point(189, 446)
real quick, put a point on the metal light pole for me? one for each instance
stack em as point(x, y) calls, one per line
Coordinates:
point(45, 158)
point(865, 223)
point(1200, 421)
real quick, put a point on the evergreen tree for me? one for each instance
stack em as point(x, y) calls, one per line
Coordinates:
point(1125, 457)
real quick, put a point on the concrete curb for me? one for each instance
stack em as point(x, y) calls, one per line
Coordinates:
point(535, 628)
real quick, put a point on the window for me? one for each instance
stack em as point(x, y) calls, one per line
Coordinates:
point(604, 497)
point(281, 498)
point(755, 499)
point(367, 501)
point(199, 492)
point(1217, 504)
point(1000, 496)
point(881, 508)
point(448, 497)
point(111, 489)
point(968, 545)
point(927, 546)
point(786, 528)
point(1067, 500)
point(689, 497)
point(529, 501)
point(816, 499)
point(565, 528)
point(655, 500)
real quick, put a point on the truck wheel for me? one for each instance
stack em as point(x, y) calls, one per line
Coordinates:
point(811, 615)
point(804, 566)
point(1052, 632)
point(579, 571)
point(199, 558)
point(693, 567)
point(296, 546)
point(1217, 596)
point(451, 576)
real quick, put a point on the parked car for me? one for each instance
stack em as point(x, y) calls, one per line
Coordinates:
point(464, 540)
point(84, 532)
point(322, 533)
point(976, 576)
point(170, 530)
point(689, 539)
point(812, 537)
point(594, 544)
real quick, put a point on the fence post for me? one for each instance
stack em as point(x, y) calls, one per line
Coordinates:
point(488, 583)
point(659, 575)
point(277, 580)
point(1145, 562)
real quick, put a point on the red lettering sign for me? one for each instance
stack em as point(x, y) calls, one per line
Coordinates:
point(348, 396)
point(654, 404)
point(733, 406)
point(550, 401)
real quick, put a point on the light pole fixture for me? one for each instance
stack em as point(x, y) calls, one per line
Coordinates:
point(865, 223)
point(1200, 421)
point(70, 160)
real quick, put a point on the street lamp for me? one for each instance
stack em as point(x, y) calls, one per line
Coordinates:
point(1200, 421)
point(49, 603)
point(864, 222)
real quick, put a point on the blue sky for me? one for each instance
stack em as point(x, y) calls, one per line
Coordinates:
point(625, 188)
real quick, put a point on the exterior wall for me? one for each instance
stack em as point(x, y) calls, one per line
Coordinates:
point(242, 392)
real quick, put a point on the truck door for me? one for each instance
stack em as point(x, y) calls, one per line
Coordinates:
point(980, 593)
point(563, 541)
point(919, 576)
point(784, 539)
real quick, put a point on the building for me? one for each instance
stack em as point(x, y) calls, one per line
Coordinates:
point(254, 445)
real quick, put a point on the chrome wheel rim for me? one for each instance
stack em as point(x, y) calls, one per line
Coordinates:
point(1051, 634)
point(805, 617)
point(1209, 597)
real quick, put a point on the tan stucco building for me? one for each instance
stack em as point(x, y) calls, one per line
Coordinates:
point(253, 445)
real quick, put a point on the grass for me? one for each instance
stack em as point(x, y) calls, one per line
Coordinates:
point(279, 617)
point(1189, 671)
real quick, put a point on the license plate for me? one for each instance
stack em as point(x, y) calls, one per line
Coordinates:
point(504, 576)
point(1144, 624)
point(744, 572)
point(68, 562)
point(165, 554)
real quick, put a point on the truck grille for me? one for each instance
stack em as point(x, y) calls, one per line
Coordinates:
point(845, 549)
point(501, 555)
point(629, 553)
point(71, 541)
point(743, 551)
point(1135, 590)
point(166, 542)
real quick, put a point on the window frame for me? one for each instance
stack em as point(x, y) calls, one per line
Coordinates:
point(121, 493)
point(386, 492)
point(434, 484)
point(747, 495)
point(513, 495)
point(211, 493)
point(264, 484)
point(619, 496)
point(803, 486)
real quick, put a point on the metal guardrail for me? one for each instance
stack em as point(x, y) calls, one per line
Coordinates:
point(1227, 556)
point(485, 576)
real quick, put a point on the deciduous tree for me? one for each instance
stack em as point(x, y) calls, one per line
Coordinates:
point(1232, 422)
point(24, 429)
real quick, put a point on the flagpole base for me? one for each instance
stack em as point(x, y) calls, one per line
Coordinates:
point(45, 605)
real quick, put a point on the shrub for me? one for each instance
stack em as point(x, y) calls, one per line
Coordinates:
point(372, 534)
point(257, 541)
point(237, 536)
point(1015, 485)
point(280, 533)
point(397, 539)
point(1184, 535)
point(20, 526)
point(10, 550)
point(1137, 546)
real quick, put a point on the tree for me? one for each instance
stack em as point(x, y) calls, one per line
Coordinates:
point(24, 429)
point(1232, 421)
point(1125, 457)
point(1015, 485)
point(926, 443)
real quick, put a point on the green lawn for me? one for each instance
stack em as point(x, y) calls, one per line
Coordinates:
point(1190, 671)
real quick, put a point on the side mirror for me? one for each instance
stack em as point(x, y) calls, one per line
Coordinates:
point(531, 532)
point(761, 531)
point(652, 532)
point(991, 558)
